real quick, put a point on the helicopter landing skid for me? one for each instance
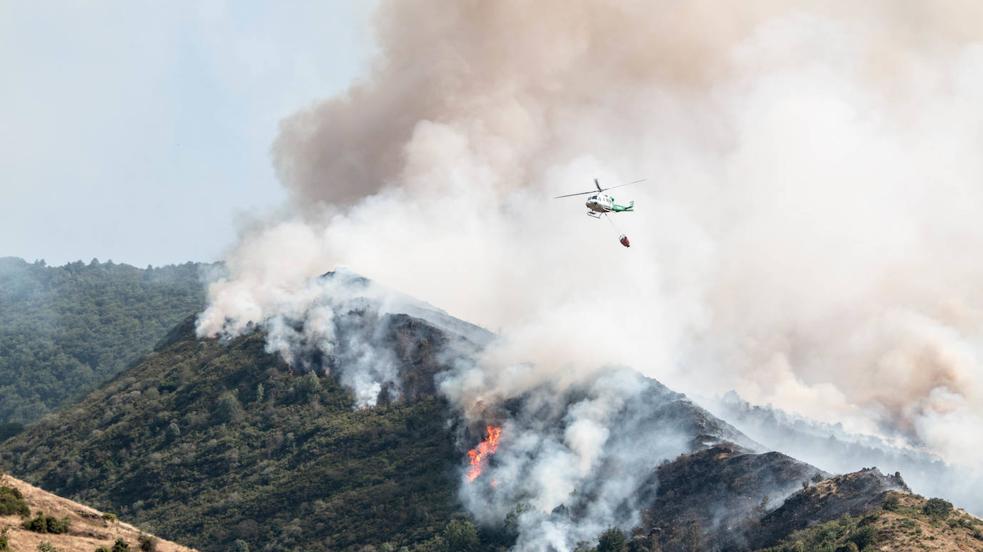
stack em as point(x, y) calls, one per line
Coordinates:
point(592, 214)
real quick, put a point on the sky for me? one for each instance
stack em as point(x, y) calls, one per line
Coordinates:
point(140, 132)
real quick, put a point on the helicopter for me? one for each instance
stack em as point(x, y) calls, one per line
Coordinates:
point(600, 204)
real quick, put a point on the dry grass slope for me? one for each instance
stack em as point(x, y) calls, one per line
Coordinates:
point(89, 529)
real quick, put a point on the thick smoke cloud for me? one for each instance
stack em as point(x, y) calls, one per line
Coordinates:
point(807, 234)
point(575, 463)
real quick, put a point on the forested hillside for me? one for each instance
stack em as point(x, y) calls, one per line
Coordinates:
point(64, 330)
point(210, 443)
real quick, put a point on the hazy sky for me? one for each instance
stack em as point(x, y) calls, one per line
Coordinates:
point(140, 131)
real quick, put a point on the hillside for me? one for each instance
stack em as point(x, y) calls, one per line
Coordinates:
point(88, 528)
point(833, 449)
point(902, 521)
point(221, 444)
point(210, 443)
point(65, 330)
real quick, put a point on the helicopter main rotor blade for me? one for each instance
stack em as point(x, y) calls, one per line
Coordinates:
point(600, 189)
point(625, 184)
point(576, 194)
point(613, 187)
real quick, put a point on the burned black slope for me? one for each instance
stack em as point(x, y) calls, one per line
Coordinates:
point(714, 498)
point(850, 494)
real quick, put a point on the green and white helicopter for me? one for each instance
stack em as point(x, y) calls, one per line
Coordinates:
point(599, 203)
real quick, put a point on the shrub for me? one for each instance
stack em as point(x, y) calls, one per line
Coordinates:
point(891, 503)
point(864, 537)
point(120, 546)
point(148, 543)
point(45, 524)
point(58, 526)
point(39, 524)
point(4, 541)
point(103, 549)
point(12, 503)
point(46, 546)
point(936, 507)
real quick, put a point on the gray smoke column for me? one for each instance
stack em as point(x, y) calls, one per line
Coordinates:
point(808, 235)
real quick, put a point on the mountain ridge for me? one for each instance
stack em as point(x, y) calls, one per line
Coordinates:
point(218, 442)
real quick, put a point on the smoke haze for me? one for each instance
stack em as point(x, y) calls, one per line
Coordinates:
point(807, 234)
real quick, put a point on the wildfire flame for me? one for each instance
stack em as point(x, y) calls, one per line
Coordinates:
point(479, 454)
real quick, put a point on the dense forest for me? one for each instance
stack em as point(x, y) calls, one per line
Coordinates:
point(65, 330)
point(218, 444)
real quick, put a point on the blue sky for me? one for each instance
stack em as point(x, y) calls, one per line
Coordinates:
point(140, 131)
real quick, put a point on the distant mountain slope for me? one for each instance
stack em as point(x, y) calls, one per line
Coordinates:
point(223, 445)
point(834, 449)
point(64, 330)
point(714, 498)
point(88, 528)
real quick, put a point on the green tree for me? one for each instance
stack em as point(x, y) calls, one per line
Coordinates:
point(461, 535)
point(308, 387)
point(612, 540)
point(228, 409)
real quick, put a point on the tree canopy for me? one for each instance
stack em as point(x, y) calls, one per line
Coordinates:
point(65, 330)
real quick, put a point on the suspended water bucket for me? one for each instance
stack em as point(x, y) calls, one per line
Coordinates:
point(624, 241)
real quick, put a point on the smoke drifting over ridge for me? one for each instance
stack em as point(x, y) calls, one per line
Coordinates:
point(806, 236)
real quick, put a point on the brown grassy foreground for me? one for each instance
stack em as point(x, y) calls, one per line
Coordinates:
point(88, 531)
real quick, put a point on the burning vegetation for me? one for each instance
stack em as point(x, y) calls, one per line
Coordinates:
point(478, 456)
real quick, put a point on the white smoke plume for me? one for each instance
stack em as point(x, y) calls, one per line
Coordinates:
point(573, 466)
point(807, 235)
point(311, 329)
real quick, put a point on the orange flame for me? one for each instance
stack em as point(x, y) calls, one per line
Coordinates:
point(479, 454)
